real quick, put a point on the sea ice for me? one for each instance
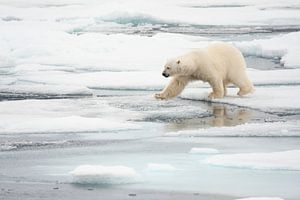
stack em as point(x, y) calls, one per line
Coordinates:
point(268, 129)
point(61, 115)
point(261, 198)
point(267, 99)
point(99, 174)
point(196, 150)
point(46, 89)
point(147, 80)
point(284, 47)
point(160, 167)
point(31, 124)
point(284, 160)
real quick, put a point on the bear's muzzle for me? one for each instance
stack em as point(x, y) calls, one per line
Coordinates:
point(165, 75)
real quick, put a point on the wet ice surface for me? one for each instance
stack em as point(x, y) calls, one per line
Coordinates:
point(77, 106)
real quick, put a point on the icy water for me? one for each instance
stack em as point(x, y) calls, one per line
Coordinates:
point(78, 118)
point(44, 157)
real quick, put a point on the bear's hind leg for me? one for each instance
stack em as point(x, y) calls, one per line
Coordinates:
point(218, 89)
point(244, 90)
point(245, 87)
point(225, 83)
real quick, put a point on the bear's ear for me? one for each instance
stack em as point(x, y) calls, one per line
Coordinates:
point(178, 61)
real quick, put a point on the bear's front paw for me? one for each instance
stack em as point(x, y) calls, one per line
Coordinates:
point(159, 96)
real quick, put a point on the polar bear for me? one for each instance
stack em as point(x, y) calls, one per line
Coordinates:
point(219, 64)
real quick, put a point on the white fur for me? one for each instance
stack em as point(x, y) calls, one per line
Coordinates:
point(219, 64)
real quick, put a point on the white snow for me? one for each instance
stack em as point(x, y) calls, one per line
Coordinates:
point(99, 174)
point(68, 61)
point(58, 62)
point(102, 80)
point(274, 77)
point(160, 167)
point(48, 89)
point(261, 198)
point(197, 150)
point(284, 160)
point(20, 124)
point(284, 47)
point(268, 129)
point(89, 51)
point(61, 115)
point(268, 99)
point(191, 12)
point(6, 147)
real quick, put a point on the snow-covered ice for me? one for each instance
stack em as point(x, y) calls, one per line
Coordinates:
point(80, 83)
point(268, 129)
point(160, 167)
point(86, 72)
point(191, 12)
point(54, 116)
point(197, 150)
point(261, 198)
point(19, 124)
point(98, 174)
point(286, 160)
point(284, 47)
point(268, 99)
point(46, 89)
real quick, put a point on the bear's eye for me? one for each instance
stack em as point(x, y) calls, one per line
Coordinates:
point(168, 67)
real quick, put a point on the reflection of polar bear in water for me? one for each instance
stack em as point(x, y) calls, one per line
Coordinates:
point(219, 64)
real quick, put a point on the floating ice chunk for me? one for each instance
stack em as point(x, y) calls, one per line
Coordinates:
point(261, 198)
point(7, 147)
point(284, 46)
point(196, 150)
point(268, 99)
point(270, 129)
point(40, 124)
point(160, 167)
point(98, 174)
point(285, 160)
point(47, 89)
point(102, 80)
point(275, 77)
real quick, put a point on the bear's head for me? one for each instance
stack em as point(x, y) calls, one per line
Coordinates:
point(172, 67)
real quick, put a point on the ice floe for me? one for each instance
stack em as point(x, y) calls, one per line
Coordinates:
point(46, 89)
point(284, 160)
point(274, 77)
point(280, 100)
point(261, 198)
point(104, 175)
point(90, 51)
point(61, 115)
point(199, 150)
point(136, 80)
point(268, 129)
point(160, 167)
point(19, 124)
point(5, 147)
point(284, 47)
point(143, 12)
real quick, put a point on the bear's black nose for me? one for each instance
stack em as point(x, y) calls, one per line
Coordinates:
point(165, 75)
